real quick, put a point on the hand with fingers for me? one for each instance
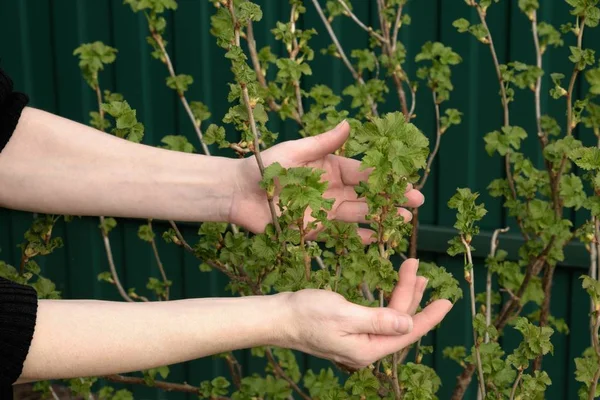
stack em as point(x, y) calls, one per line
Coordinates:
point(249, 207)
point(326, 325)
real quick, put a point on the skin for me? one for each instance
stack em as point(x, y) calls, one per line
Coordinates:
point(56, 166)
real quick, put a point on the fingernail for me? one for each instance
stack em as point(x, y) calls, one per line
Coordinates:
point(404, 324)
point(340, 124)
point(422, 201)
point(425, 282)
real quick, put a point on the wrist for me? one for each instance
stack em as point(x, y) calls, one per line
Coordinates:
point(281, 325)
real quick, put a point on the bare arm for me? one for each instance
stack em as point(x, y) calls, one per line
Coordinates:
point(57, 166)
point(76, 338)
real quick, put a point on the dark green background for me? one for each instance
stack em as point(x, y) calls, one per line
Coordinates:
point(39, 36)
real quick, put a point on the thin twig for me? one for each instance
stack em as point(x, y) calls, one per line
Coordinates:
point(513, 392)
point(573, 79)
point(166, 386)
point(111, 263)
point(366, 28)
point(397, 25)
point(159, 263)
point(343, 56)
point(467, 246)
point(258, 156)
point(235, 369)
point(398, 76)
point(53, 393)
point(283, 375)
point(167, 60)
point(436, 148)
point(488, 284)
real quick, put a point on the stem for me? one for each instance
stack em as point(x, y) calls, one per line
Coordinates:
point(545, 311)
point(259, 74)
point(538, 82)
point(159, 263)
point(167, 60)
point(261, 165)
point(436, 148)
point(474, 313)
point(572, 82)
point(481, 14)
point(279, 371)
point(596, 344)
point(166, 386)
point(414, 237)
point(513, 392)
point(488, 284)
point(395, 383)
point(397, 74)
point(397, 25)
point(235, 369)
point(343, 56)
point(307, 259)
point(368, 29)
point(111, 264)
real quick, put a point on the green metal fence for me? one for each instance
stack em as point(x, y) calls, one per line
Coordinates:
point(39, 36)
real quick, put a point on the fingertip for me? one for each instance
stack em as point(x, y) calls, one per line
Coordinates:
point(407, 215)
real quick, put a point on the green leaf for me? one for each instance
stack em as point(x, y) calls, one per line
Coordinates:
point(92, 59)
point(180, 83)
point(178, 143)
point(502, 142)
point(145, 233)
point(581, 57)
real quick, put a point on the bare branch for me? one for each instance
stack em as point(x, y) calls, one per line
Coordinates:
point(161, 268)
point(436, 148)
point(343, 56)
point(279, 371)
point(366, 28)
point(488, 284)
point(471, 281)
point(513, 392)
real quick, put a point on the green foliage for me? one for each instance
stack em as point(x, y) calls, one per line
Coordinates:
point(92, 59)
point(127, 125)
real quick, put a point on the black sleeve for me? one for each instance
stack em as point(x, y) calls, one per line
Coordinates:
point(18, 311)
point(11, 106)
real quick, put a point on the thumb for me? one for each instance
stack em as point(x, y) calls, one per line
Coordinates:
point(383, 321)
point(316, 147)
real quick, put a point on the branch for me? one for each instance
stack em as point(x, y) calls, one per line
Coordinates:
point(488, 284)
point(111, 264)
point(343, 56)
point(235, 369)
point(481, 14)
point(259, 74)
point(159, 263)
point(573, 79)
point(279, 371)
point(397, 25)
point(545, 311)
point(167, 60)
point(436, 148)
point(513, 392)
point(538, 82)
point(471, 281)
point(368, 29)
point(261, 165)
point(397, 74)
point(166, 386)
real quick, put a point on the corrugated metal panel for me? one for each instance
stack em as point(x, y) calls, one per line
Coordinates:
point(40, 35)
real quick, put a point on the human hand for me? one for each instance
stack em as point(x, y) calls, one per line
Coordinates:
point(249, 207)
point(326, 325)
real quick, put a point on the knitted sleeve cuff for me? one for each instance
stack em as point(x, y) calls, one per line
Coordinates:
point(18, 312)
point(11, 106)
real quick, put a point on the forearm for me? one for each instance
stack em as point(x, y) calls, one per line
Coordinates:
point(57, 166)
point(93, 338)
